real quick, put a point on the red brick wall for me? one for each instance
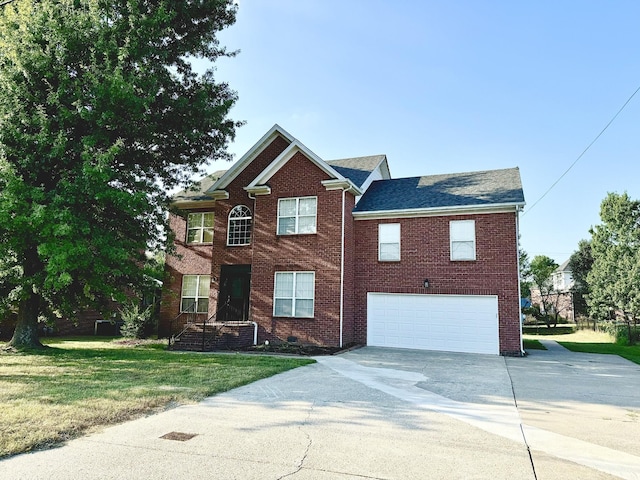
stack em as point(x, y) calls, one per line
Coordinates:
point(349, 326)
point(425, 255)
point(189, 259)
point(319, 252)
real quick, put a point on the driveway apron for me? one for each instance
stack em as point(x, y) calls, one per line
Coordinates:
point(381, 414)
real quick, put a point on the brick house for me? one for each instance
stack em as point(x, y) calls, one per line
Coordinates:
point(337, 253)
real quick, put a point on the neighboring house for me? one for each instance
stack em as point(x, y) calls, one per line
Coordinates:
point(560, 294)
point(336, 253)
point(562, 278)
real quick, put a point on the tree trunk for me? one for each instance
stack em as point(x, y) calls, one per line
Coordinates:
point(26, 332)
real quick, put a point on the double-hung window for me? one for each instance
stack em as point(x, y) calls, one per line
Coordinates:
point(200, 227)
point(195, 293)
point(293, 294)
point(239, 228)
point(462, 234)
point(297, 215)
point(389, 242)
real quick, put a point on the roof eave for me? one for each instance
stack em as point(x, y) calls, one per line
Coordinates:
point(440, 211)
point(340, 184)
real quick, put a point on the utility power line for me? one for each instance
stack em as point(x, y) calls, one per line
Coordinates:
point(583, 152)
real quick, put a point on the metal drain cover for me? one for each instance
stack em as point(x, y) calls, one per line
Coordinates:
point(179, 436)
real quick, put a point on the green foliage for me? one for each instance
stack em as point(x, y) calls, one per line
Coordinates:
point(614, 278)
point(137, 322)
point(542, 269)
point(525, 273)
point(100, 115)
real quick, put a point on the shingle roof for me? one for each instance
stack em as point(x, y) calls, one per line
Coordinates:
point(440, 191)
point(356, 169)
point(197, 192)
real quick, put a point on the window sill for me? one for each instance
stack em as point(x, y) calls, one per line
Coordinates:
point(280, 317)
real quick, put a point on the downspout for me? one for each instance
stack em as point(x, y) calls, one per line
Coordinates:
point(522, 352)
point(253, 249)
point(342, 269)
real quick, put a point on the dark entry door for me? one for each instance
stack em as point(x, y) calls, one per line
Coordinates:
point(233, 302)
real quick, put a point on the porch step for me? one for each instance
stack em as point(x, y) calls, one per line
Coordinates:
point(215, 338)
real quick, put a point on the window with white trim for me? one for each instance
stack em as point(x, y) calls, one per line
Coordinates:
point(462, 234)
point(200, 227)
point(389, 242)
point(297, 215)
point(195, 293)
point(293, 294)
point(239, 227)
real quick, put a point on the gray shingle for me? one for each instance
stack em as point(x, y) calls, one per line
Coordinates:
point(439, 191)
point(356, 169)
point(197, 192)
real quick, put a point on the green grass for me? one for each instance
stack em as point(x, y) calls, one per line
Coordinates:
point(532, 344)
point(588, 341)
point(60, 392)
point(625, 351)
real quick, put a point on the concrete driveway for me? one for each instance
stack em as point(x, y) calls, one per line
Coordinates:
point(383, 414)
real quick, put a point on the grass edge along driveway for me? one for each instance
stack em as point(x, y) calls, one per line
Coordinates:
point(76, 385)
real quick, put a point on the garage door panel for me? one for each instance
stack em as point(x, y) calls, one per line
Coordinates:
point(457, 323)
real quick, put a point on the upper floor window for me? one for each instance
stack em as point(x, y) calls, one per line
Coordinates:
point(389, 242)
point(293, 294)
point(297, 215)
point(200, 227)
point(462, 235)
point(195, 293)
point(239, 230)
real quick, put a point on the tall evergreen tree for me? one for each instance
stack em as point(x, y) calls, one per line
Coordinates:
point(101, 113)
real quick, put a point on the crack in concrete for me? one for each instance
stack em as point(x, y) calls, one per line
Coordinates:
point(524, 437)
point(308, 447)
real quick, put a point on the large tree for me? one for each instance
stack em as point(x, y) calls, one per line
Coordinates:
point(541, 271)
point(614, 278)
point(580, 264)
point(101, 113)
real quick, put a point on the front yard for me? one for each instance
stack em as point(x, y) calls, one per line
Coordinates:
point(588, 341)
point(77, 385)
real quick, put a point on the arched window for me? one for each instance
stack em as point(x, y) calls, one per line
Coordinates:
point(239, 231)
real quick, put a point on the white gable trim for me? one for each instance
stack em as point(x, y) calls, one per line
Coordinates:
point(287, 155)
point(248, 157)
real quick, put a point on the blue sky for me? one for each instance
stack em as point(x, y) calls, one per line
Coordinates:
point(443, 87)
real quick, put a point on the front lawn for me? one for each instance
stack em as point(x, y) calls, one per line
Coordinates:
point(75, 385)
point(625, 351)
point(588, 341)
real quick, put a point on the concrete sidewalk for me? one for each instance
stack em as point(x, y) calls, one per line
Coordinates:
point(371, 413)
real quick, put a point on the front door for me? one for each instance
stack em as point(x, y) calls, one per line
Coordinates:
point(233, 302)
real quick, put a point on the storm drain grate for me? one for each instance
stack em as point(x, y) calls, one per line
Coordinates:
point(179, 436)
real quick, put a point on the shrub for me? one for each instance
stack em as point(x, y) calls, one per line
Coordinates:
point(136, 322)
point(622, 333)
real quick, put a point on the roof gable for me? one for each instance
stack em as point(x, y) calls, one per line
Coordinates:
point(246, 159)
point(337, 179)
point(450, 191)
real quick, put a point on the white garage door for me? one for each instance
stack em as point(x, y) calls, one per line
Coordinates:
point(452, 323)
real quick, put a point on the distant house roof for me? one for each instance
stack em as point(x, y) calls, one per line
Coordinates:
point(197, 191)
point(471, 189)
point(564, 267)
point(357, 169)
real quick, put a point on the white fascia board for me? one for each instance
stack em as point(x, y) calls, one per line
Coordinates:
point(191, 204)
point(339, 184)
point(439, 211)
point(285, 156)
point(384, 168)
point(258, 190)
point(240, 165)
point(219, 194)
